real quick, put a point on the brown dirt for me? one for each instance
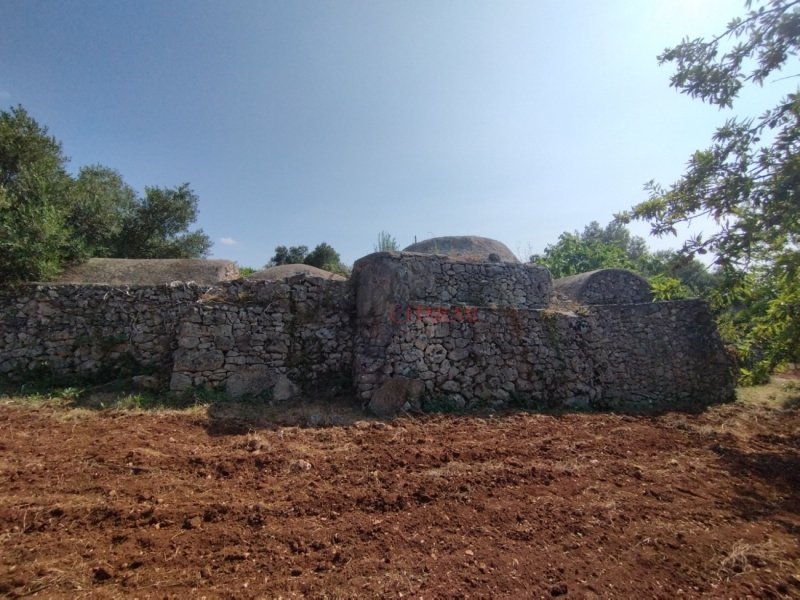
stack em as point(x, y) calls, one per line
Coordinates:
point(124, 504)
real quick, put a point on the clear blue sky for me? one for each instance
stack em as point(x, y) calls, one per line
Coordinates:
point(304, 121)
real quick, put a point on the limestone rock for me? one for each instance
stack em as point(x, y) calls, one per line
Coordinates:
point(145, 382)
point(465, 247)
point(605, 286)
point(150, 271)
point(390, 398)
point(180, 382)
point(281, 272)
point(284, 389)
point(250, 381)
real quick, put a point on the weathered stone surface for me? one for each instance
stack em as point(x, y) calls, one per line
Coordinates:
point(395, 285)
point(284, 389)
point(470, 332)
point(198, 360)
point(394, 394)
point(605, 286)
point(281, 272)
point(465, 247)
point(128, 271)
point(179, 382)
point(145, 382)
point(250, 381)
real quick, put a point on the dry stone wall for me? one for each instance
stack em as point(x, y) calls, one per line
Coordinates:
point(662, 354)
point(531, 356)
point(251, 336)
point(388, 280)
point(68, 331)
point(471, 333)
point(604, 344)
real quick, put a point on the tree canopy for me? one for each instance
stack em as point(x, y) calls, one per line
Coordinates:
point(747, 182)
point(323, 256)
point(613, 246)
point(34, 237)
point(49, 219)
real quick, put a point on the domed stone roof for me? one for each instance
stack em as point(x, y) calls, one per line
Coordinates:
point(465, 247)
point(605, 286)
point(149, 271)
point(283, 271)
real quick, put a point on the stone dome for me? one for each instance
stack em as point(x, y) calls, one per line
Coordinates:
point(465, 247)
point(280, 272)
point(605, 286)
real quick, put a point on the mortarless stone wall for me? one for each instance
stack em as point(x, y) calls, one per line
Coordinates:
point(474, 333)
point(67, 331)
point(248, 336)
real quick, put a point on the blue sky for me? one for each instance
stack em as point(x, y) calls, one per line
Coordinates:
point(299, 121)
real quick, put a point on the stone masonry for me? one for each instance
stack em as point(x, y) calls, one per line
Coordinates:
point(474, 333)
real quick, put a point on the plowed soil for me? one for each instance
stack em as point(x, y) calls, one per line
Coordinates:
point(174, 505)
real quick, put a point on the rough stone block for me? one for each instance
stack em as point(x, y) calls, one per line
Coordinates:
point(388, 400)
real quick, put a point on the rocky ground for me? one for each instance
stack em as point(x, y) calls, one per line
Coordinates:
point(176, 504)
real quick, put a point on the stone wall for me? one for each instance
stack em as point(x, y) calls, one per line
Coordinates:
point(248, 336)
point(489, 333)
point(473, 333)
point(535, 356)
point(640, 356)
point(386, 279)
point(242, 336)
point(662, 354)
point(604, 286)
point(64, 331)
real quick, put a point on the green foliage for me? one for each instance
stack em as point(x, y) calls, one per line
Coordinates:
point(386, 243)
point(747, 181)
point(441, 404)
point(668, 288)
point(289, 256)
point(246, 271)
point(48, 219)
point(156, 226)
point(323, 257)
point(100, 202)
point(573, 254)
point(614, 247)
point(750, 189)
point(759, 314)
point(35, 239)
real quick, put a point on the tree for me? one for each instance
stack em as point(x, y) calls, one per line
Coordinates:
point(595, 248)
point(48, 219)
point(671, 276)
point(323, 256)
point(100, 204)
point(156, 226)
point(748, 180)
point(572, 254)
point(289, 256)
point(386, 243)
point(749, 189)
point(35, 238)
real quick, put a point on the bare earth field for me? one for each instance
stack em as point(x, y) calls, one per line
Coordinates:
point(179, 504)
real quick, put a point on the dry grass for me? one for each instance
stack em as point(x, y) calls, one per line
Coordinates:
point(779, 393)
point(744, 556)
